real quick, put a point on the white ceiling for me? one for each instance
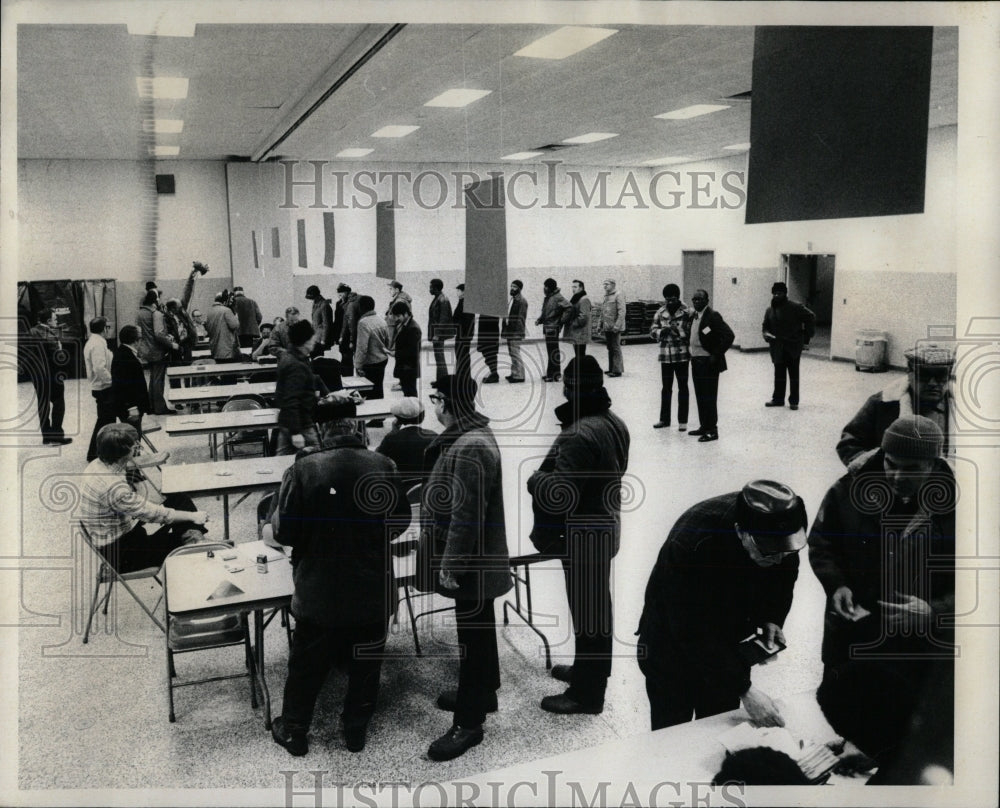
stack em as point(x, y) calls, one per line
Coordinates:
point(249, 84)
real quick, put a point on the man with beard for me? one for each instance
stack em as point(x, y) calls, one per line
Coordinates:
point(924, 391)
point(711, 337)
point(576, 331)
point(672, 329)
point(513, 329)
point(588, 458)
point(787, 327)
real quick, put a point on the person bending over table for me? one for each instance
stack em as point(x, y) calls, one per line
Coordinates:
point(114, 511)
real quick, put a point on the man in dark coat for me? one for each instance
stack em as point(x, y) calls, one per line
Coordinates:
point(339, 509)
point(725, 572)
point(556, 311)
point(406, 349)
point(440, 324)
point(350, 308)
point(248, 313)
point(129, 393)
point(465, 327)
point(924, 391)
point(513, 330)
point(322, 321)
point(295, 392)
point(47, 378)
point(583, 470)
point(407, 441)
point(488, 344)
point(787, 327)
point(463, 545)
point(711, 337)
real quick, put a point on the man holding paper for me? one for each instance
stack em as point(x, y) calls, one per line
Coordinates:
point(725, 572)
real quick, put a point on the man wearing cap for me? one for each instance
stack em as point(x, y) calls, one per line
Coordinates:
point(348, 312)
point(463, 553)
point(322, 321)
point(612, 326)
point(440, 324)
point(725, 572)
point(556, 311)
point(407, 440)
point(576, 497)
point(924, 391)
point(406, 349)
point(787, 327)
point(248, 313)
point(513, 330)
point(883, 547)
point(465, 328)
point(396, 295)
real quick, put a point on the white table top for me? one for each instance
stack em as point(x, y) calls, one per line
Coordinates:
point(208, 422)
point(220, 392)
point(225, 369)
point(225, 476)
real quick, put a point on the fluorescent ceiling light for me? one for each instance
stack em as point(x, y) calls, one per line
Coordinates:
point(738, 147)
point(457, 98)
point(565, 42)
point(523, 155)
point(164, 151)
point(354, 152)
point(691, 112)
point(395, 131)
point(162, 87)
point(591, 137)
point(163, 126)
point(666, 161)
point(165, 26)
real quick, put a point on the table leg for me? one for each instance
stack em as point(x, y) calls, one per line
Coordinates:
point(258, 631)
point(225, 516)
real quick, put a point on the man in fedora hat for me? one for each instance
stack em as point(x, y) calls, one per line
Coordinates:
point(725, 572)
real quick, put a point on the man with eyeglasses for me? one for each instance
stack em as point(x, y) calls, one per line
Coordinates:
point(725, 572)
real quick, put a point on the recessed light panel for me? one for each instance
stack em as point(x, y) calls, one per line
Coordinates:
point(523, 155)
point(162, 87)
point(163, 126)
point(591, 137)
point(691, 112)
point(565, 42)
point(354, 152)
point(457, 98)
point(395, 131)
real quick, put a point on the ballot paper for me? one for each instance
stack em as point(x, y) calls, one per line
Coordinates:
point(814, 759)
point(251, 549)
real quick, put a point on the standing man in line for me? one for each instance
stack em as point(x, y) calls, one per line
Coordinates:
point(488, 344)
point(787, 327)
point(97, 357)
point(465, 327)
point(322, 321)
point(155, 349)
point(248, 313)
point(577, 328)
point(47, 378)
point(513, 330)
point(440, 324)
point(406, 349)
point(463, 544)
point(371, 353)
point(556, 311)
point(711, 337)
point(672, 329)
point(396, 295)
point(726, 571)
point(588, 458)
point(612, 325)
point(348, 304)
point(223, 331)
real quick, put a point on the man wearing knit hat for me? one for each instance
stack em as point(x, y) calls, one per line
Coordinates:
point(726, 572)
point(883, 547)
point(576, 497)
point(924, 391)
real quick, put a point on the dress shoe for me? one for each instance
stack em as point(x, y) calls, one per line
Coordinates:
point(793, 406)
point(294, 742)
point(493, 378)
point(456, 741)
point(708, 436)
point(773, 403)
point(682, 427)
point(614, 375)
point(661, 425)
point(548, 378)
point(56, 441)
point(512, 380)
point(564, 673)
point(564, 705)
point(696, 432)
point(354, 738)
point(448, 700)
point(557, 377)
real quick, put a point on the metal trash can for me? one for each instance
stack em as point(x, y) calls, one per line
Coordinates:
point(870, 350)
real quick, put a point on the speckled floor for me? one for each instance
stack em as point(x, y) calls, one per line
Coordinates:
point(95, 716)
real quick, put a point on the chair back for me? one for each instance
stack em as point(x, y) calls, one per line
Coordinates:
point(244, 401)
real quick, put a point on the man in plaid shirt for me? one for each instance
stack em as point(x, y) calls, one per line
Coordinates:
point(672, 328)
point(114, 512)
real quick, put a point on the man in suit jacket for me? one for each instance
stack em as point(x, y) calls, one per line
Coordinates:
point(129, 394)
point(512, 330)
point(440, 324)
point(406, 349)
point(711, 337)
point(465, 327)
point(787, 327)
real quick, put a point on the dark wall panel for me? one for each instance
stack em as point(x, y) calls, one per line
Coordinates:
point(385, 241)
point(486, 248)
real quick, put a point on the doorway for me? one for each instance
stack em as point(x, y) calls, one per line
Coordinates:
point(810, 281)
point(699, 273)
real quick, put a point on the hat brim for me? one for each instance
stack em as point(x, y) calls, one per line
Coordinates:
point(772, 543)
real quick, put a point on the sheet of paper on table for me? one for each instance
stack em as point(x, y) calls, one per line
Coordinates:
point(251, 549)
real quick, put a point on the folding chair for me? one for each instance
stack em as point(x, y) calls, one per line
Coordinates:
point(201, 634)
point(404, 551)
point(241, 403)
point(107, 574)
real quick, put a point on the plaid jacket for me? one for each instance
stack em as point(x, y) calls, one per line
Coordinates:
point(673, 332)
point(110, 507)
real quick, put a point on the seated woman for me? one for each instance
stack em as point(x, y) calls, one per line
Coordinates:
point(114, 512)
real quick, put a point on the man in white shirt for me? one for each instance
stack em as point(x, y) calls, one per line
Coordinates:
point(98, 357)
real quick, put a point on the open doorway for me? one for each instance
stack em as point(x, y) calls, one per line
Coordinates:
point(810, 281)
